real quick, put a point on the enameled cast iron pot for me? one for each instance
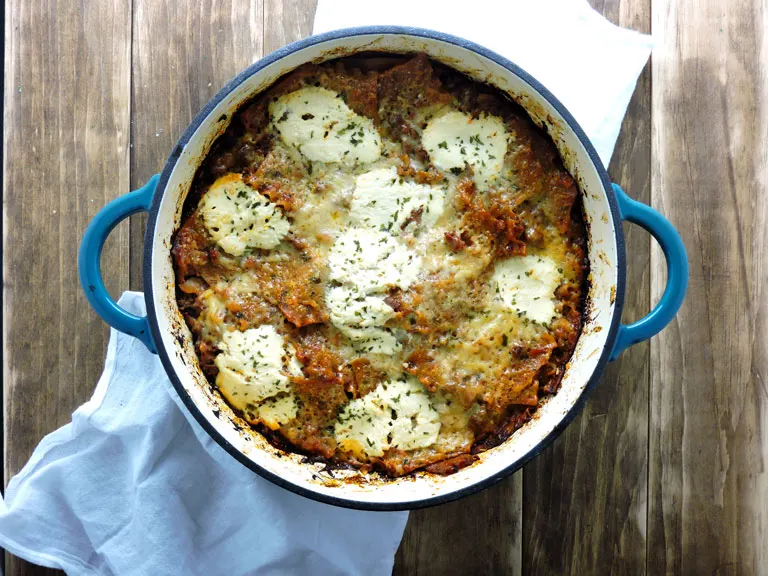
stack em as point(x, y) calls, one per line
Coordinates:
point(163, 329)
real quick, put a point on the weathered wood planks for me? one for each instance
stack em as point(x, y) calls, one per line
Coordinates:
point(183, 53)
point(66, 117)
point(708, 483)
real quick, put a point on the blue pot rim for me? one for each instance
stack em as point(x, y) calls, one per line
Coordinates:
point(379, 31)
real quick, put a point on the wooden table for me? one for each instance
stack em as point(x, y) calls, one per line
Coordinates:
point(665, 469)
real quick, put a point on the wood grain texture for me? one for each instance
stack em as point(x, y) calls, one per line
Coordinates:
point(708, 483)
point(479, 534)
point(584, 508)
point(183, 53)
point(66, 115)
point(286, 21)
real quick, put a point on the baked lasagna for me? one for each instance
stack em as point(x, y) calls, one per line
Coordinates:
point(382, 264)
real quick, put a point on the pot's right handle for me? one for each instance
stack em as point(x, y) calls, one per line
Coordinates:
point(89, 258)
point(677, 272)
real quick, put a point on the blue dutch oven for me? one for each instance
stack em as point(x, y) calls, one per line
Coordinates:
point(163, 329)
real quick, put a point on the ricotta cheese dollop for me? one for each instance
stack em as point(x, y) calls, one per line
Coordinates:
point(239, 218)
point(360, 317)
point(527, 284)
point(454, 139)
point(320, 125)
point(384, 201)
point(366, 263)
point(372, 261)
point(254, 366)
point(397, 414)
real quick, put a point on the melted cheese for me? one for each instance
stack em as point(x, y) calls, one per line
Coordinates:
point(238, 218)
point(319, 124)
point(361, 318)
point(351, 307)
point(397, 414)
point(454, 139)
point(351, 225)
point(274, 412)
point(383, 201)
point(252, 366)
point(372, 261)
point(527, 284)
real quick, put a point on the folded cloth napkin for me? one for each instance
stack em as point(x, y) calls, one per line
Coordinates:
point(134, 486)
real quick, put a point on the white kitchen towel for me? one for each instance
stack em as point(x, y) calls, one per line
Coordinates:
point(131, 486)
point(134, 486)
point(589, 64)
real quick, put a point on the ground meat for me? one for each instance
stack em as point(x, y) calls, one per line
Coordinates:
point(319, 361)
point(279, 178)
point(513, 386)
point(358, 89)
point(402, 90)
point(190, 248)
point(290, 286)
point(499, 434)
point(492, 217)
point(421, 364)
point(458, 240)
point(412, 84)
point(429, 176)
point(365, 377)
point(207, 353)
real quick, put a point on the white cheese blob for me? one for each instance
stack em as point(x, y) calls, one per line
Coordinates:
point(384, 201)
point(274, 412)
point(454, 139)
point(213, 313)
point(360, 317)
point(252, 366)
point(238, 218)
point(351, 307)
point(320, 125)
point(367, 263)
point(372, 261)
point(397, 414)
point(527, 284)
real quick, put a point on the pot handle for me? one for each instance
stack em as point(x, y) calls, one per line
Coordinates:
point(89, 259)
point(677, 272)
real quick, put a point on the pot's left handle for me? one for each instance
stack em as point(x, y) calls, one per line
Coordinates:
point(89, 259)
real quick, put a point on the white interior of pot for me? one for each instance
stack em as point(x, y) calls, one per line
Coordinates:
point(374, 489)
